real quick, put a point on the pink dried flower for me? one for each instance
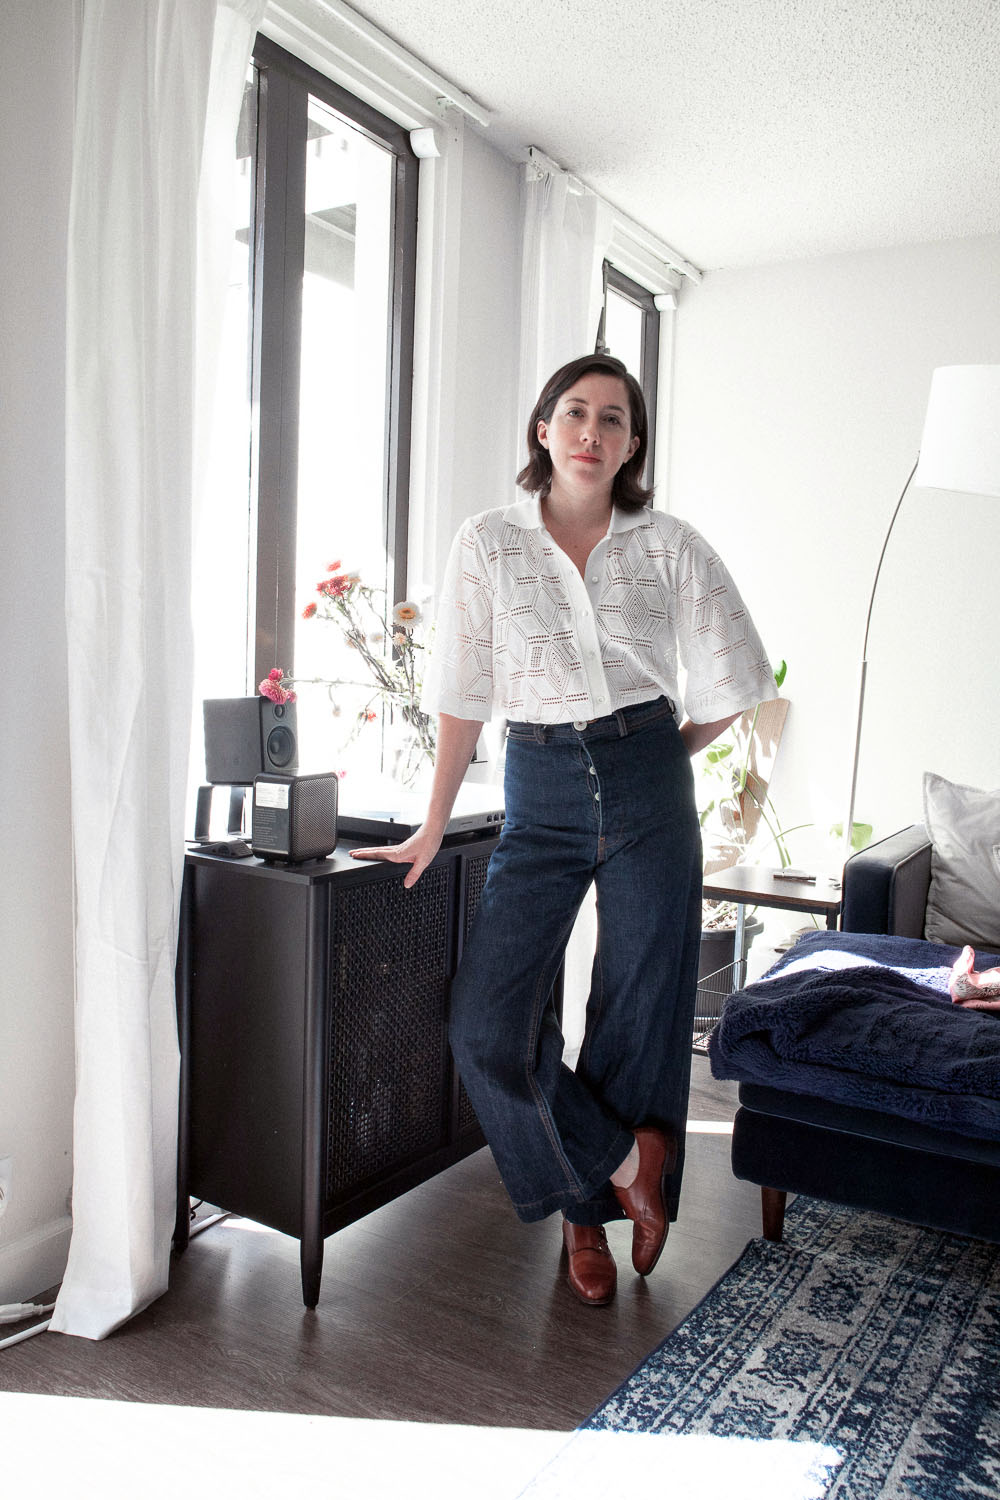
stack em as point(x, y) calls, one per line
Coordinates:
point(336, 587)
point(272, 687)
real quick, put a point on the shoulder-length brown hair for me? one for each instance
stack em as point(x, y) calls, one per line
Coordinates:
point(627, 491)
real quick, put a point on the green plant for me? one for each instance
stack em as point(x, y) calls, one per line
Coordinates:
point(727, 768)
point(861, 834)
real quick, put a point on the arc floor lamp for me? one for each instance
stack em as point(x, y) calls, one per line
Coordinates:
point(960, 452)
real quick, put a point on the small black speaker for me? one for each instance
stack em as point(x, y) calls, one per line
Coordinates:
point(245, 737)
point(294, 817)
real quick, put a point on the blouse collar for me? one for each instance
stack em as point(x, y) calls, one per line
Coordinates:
point(528, 515)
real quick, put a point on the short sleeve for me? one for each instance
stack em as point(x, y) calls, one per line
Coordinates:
point(726, 664)
point(459, 677)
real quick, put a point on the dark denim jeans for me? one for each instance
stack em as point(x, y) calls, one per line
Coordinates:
point(613, 803)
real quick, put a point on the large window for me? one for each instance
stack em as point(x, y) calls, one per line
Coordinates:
point(310, 444)
point(630, 330)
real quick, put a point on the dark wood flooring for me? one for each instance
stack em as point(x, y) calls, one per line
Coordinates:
point(440, 1307)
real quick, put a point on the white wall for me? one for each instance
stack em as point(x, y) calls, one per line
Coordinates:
point(800, 392)
point(36, 1025)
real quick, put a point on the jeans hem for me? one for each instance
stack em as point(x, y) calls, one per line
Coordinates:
point(587, 1191)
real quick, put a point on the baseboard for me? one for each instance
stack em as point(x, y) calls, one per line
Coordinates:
point(35, 1262)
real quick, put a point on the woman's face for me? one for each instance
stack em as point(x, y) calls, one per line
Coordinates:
point(588, 436)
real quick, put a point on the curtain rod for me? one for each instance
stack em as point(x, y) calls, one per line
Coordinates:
point(645, 237)
point(445, 89)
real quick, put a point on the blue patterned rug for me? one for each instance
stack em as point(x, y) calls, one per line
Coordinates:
point(865, 1347)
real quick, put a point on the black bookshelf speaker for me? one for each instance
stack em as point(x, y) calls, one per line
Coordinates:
point(294, 817)
point(246, 737)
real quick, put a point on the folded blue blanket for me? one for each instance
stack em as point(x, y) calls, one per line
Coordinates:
point(867, 1020)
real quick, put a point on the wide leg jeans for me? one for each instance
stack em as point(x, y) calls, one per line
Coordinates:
point(610, 802)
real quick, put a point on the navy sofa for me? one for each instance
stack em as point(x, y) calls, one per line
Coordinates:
point(801, 1143)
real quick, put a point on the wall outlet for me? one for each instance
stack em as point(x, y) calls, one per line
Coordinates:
point(6, 1173)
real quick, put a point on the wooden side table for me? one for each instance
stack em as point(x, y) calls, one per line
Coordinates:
point(757, 885)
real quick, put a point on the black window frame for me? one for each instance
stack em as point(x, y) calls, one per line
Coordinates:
point(284, 86)
point(633, 292)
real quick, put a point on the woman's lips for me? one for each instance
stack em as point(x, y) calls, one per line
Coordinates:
point(586, 458)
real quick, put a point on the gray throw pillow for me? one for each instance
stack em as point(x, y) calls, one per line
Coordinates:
point(963, 905)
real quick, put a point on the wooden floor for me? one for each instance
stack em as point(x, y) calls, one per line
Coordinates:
point(440, 1307)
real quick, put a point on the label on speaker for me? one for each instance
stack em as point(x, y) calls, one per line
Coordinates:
point(271, 793)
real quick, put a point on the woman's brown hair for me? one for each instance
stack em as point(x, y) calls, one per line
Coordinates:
point(627, 491)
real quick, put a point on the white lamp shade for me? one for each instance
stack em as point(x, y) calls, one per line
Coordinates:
point(960, 449)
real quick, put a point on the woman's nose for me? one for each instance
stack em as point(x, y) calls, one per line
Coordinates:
point(590, 434)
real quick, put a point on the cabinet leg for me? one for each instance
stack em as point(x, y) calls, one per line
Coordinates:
point(314, 1090)
point(311, 1259)
point(772, 1207)
point(182, 985)
point(182, 1223)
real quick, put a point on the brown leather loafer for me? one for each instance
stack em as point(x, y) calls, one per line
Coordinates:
point(593, 1274)
point(644, 1201)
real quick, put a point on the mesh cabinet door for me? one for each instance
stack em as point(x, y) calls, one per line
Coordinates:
point(391, 957)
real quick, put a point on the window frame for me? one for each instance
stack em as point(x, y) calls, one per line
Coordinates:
point(284, 86)
point(644, 299)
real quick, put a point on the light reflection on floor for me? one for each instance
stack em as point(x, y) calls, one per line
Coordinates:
point(120, 1449)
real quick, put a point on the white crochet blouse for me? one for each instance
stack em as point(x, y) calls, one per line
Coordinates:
point(520, 633)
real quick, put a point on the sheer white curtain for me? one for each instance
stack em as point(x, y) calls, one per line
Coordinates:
point(158, 101)
point(566, 234)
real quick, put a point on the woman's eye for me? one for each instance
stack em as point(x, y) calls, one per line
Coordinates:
point(615, 420)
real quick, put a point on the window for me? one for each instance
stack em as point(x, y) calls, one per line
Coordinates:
point(630, 330)
point(310, 443)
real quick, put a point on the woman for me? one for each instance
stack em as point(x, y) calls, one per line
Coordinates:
point(566, 613)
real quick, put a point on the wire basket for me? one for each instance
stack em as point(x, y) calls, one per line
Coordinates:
point(720, 971)
point(712, 991)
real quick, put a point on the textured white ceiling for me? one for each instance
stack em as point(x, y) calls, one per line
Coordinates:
point(741, 131)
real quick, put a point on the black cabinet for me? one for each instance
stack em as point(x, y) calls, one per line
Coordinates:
point(316, 1078)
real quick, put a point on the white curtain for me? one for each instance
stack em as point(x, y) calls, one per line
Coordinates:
point(566, 234)
point(158, 102)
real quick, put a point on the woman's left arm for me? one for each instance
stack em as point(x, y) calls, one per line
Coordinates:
point(697, 736)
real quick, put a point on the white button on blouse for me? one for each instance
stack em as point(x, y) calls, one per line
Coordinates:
point(519, 633)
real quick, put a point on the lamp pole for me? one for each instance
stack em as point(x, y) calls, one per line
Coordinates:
point(849, 826)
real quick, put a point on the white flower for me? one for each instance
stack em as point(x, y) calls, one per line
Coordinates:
point(406, 613)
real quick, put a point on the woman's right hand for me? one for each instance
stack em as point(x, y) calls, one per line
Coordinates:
point(417, 851)
point(456, 740)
